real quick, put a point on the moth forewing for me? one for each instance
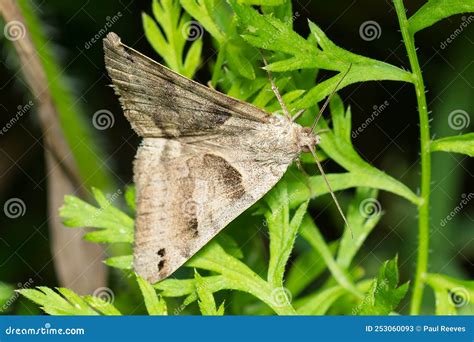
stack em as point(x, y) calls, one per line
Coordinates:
point(204, 159)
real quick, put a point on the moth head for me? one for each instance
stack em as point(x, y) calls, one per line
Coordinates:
point(307, 139)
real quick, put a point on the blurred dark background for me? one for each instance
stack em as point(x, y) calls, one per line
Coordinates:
point(390, 142)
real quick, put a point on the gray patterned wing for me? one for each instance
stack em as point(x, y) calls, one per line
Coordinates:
point(161, 103)
point(186, 194)
point(205, 158)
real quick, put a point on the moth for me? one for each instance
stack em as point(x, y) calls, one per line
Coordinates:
point(204, 159)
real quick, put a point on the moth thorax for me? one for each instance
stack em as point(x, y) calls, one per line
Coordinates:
point(307, 139)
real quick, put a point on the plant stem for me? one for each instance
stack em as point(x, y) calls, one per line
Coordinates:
point(423, 208)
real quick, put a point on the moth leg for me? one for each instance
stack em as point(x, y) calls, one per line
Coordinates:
point(276, 91)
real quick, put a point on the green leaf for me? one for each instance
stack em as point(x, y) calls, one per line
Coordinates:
point(114, 225)
point(240, 62)
point(244, 90)
point(130, 196)
point(458, 144)
point(444, 303)
point(156, 39)
point(169, 34)
point(268, 32)
point(207, 304)
point(187, 287)
point(363, 215)
point(193, 58)
point(282, 231)
point(362, 69)
point(230, 245)
point(305, 269)
point(6, 293)
point(208, 13)
point(67, 302)
point(316, 187)
point(155, 305)
point(341, 119)
point(435, 10)
point(310, 232)
point(451, 294)
point(384, 294)
point(266, 95)
point(263, 2)
point(337, 145)
point(102, 306)
point(238, 275)
point(283, 11)
point(124, 262)
point(320, 302)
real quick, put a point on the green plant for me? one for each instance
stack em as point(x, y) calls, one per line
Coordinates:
point(240, 33)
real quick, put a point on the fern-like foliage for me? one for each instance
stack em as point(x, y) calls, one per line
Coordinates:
point(293, 277)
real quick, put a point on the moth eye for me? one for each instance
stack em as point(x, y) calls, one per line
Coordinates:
point(161, 264)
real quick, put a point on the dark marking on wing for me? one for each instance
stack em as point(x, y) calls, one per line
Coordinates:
point(193, 226)
point(171, 101)
point(161, 264)
point(161, 252)
point(228, 176)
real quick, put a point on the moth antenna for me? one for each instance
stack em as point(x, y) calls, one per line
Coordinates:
point(275, 90)
point(320, 167)
point(328, 99)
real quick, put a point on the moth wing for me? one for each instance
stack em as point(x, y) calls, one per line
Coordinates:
point(161, 103)
point(187, 193)
point(205, 158)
